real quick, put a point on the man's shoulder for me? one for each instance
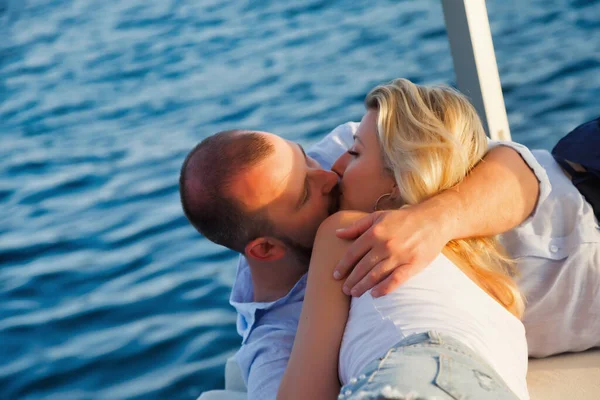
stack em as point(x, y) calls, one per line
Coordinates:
point(342, 134)
point(263, 359)
point(267, 343)
point(281, 314)
point(330, 147)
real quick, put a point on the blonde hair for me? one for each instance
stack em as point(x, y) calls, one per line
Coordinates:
point(431, 137)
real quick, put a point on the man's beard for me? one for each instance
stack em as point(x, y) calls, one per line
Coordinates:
point(300, 252)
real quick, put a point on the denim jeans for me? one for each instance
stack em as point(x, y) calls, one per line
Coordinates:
point(427, 366)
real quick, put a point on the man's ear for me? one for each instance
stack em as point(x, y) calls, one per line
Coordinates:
point(265, 249)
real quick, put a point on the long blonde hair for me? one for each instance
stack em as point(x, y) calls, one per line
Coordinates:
point(431, 137)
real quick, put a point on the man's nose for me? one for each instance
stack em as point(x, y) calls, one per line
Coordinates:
point(339, 166)
point(329, 179)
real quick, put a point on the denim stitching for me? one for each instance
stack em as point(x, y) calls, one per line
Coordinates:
point(381, 362)
point(444, 379)
point(445, 346)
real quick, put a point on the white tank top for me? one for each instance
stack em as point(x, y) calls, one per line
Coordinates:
point(444, 299)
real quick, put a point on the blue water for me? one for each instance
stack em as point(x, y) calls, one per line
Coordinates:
point(105, 291)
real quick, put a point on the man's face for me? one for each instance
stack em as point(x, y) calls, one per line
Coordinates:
point(296, 193)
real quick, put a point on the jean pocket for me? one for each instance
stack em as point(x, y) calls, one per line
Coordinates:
point(462, 381)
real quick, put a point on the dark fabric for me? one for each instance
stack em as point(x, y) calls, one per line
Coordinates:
point(582, 146)
point(590, 189)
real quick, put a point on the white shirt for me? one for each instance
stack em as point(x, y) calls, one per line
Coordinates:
point(444, 299)
point(558, 256)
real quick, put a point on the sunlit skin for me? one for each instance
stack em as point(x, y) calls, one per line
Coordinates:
point(363, 178)
point(296, 192)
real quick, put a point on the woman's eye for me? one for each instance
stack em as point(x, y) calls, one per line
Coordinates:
point(352, 153)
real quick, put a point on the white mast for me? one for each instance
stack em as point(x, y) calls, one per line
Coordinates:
point(475, 66)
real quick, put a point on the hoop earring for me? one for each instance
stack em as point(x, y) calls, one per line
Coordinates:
point(376, 206)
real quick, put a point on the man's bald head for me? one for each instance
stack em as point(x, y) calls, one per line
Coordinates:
point(204, 186)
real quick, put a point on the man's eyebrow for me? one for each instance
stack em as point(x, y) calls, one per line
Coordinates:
point(304, 193)
point(355, 137)
point(305, 187)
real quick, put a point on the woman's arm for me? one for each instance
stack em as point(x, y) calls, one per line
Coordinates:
point(312, 371)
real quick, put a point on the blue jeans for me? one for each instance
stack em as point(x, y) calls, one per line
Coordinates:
point(427, 366)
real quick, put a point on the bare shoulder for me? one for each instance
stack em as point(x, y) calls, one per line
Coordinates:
point(340, 219)
point(328, 249)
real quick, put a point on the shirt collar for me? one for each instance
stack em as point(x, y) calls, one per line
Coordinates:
point(242, 298)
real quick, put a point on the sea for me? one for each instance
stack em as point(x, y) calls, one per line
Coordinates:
point(106, 292)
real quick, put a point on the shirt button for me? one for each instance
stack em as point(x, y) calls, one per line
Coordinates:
point(348, 392)
point(553, 248)
point(353, 381)
point(362, 376)
point(341, 396)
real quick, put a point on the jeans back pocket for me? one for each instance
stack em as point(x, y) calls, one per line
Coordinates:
point(462, 381)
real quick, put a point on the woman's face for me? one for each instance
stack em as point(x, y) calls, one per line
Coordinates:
point(363, 178)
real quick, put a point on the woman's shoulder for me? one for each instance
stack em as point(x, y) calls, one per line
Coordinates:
point(341, 219)
point(440, 272)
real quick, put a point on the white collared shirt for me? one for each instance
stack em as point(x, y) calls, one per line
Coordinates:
point(558, 256)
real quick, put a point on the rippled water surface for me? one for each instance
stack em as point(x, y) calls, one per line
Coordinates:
point(105, 291)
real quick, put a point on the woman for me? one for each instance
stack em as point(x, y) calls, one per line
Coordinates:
point(453, 331)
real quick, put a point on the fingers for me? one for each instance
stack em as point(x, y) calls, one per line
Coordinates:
point(353, 255)
point(377, 273)
point(357, 228)
point(361, 271)
point(393, 280)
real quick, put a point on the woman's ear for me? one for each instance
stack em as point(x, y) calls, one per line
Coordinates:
point(395, 193)
point(265, 249)
point(395, 197)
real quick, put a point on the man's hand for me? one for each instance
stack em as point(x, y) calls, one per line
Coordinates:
point(497, 195)
point(391, 246)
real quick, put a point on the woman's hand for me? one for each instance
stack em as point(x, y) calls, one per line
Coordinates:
point(390, 247)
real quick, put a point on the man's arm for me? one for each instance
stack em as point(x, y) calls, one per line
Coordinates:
point(498, 194)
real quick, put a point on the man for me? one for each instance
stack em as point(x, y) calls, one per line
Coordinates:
point(264, 197)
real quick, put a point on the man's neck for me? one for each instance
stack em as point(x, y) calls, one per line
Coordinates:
point(272, 280)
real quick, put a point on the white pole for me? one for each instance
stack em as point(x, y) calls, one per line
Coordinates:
point(475, 66)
